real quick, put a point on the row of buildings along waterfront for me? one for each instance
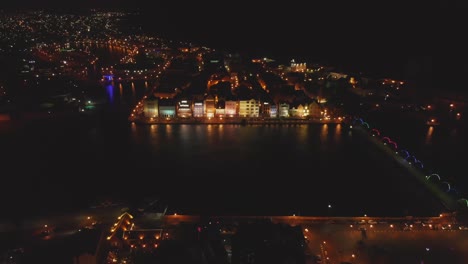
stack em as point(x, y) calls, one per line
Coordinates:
point(212, 107)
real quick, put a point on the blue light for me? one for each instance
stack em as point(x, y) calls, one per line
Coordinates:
point(109, 77)
point(110, 92)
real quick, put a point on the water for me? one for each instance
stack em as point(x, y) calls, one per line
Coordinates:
point(217, 169)
point(440, 148)
point(71, 162)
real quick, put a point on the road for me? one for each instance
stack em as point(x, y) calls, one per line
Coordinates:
point(364, 240)
point(369, 240)
point(383, 244)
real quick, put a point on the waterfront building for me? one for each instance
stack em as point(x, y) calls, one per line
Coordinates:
point(273, 110)
point(220, 108)
point(230, 108)
point(198, 109)
point(249, 108)
point(268, 109)
point(297, 110)
point(315, 110)
point(306, 111)
point(209, 106)
point(150, 107)
point(167, 108)
point(283, 110)
point(184, 108)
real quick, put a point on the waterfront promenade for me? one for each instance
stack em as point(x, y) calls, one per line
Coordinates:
point(235, 121)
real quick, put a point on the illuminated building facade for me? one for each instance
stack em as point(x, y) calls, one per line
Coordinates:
point(184, 109)
point(273, 110)
point(167, 108)
point(249, 108)
point(230, 108)
point(268, 109)
point(220, 108)
point(315, 110)
point(150, 107)
point(198, 109)
point(298, 110)
point(283, 110)
point(298, 67)
point(209, 106)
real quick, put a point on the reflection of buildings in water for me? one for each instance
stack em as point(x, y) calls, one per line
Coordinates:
point(121, 92)
point(337, 133)
point(303, 133)
point(110, 92)
point(324, 133)
point(133, 92)
point(430, 131)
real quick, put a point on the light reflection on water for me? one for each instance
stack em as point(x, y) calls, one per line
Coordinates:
point(133, 93)
point(338, 133)
point(110, 92)
point(324, 133)
point(262, 161)
point(121, 92)
point(302, 133)
point(256, 163)
point(430, 131)
point(245, 168)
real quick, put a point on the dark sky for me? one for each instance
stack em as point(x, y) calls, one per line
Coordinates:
point(419, 41)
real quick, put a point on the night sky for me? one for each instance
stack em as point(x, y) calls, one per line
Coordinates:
point(422, 42)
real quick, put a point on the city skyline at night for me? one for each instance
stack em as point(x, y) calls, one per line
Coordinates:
point(239, 87)
point(407, 41)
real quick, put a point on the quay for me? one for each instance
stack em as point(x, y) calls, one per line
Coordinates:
point(234, 121)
